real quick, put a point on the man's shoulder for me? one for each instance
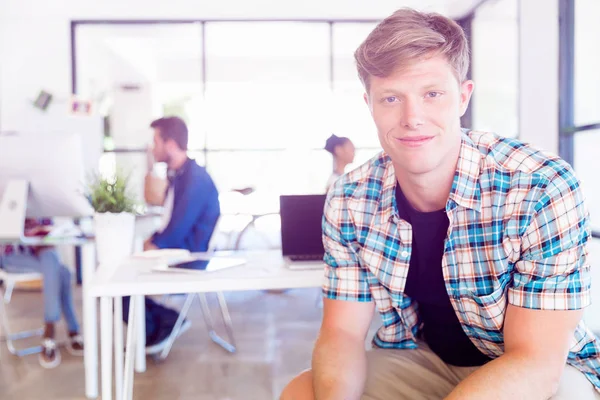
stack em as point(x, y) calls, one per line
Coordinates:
point(364, 181)
point(503, 155)
point(198, 173)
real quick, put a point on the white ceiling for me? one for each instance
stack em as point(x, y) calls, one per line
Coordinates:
point(180, 9)
point(149, 49)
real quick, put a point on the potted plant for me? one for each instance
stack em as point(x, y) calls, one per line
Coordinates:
point(114, 216)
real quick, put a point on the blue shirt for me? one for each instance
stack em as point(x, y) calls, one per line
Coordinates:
point(195, 212)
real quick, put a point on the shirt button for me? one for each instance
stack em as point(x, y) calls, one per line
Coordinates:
point(404, 254)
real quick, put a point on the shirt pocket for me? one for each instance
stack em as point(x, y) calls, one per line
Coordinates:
point(486, 311)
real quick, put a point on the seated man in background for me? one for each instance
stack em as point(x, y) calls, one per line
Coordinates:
point(191, 211)
point(57, 292)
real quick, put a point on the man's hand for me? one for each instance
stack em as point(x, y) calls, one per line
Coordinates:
point(155, 190)
point(38, 230)
point(148, 245)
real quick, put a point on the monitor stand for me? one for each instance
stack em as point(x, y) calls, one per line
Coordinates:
point(12, 210)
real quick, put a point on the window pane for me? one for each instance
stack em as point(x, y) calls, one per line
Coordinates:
point(351, 117)
point(274, 172)
point(586, 159)
point(136, 73)
point(495, 68)
point(587, 62)
point(277, 172)
point(346, 39)
point(267, 85)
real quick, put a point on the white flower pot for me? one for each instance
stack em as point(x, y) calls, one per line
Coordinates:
point(114, 236)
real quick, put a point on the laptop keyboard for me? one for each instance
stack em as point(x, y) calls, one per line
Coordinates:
point(307, 257)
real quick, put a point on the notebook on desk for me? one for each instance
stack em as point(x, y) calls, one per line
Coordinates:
point(301, 237)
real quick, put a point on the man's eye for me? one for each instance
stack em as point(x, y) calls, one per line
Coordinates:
point(433, 95)
point(391, 99)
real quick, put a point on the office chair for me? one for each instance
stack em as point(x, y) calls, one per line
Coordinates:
point(10, 279)
point(229, 345)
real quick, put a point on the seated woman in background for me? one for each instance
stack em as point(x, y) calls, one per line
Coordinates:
point(57, 290)
point(342, 150)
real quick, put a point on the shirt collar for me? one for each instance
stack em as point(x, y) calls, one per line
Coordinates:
point(465, 191)
point(174, 174)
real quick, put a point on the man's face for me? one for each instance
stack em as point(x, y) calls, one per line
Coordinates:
point(159, 150)
point(417, 112)
point(345, 152)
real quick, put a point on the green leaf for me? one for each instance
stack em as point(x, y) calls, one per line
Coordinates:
point(111, 194)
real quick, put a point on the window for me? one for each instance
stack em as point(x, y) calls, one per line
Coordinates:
point(495, 67)
point(587, 62)
point(136, 73)
point(260, 98)
point(580, 98)
point(267, 85)
point(350, 114)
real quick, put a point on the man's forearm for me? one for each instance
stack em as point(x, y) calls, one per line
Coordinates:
point(511, 376)
point(339, 367)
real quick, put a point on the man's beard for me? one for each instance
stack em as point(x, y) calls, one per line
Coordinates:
point(167, 158)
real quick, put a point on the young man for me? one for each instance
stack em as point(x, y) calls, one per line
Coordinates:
point(472, 247)
point(191, 212)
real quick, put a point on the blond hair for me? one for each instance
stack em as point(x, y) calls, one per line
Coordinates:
point(406, 36)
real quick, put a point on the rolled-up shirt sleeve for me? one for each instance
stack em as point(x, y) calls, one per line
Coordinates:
point(553, 272)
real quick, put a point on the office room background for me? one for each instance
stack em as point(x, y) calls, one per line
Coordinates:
point(261, 85)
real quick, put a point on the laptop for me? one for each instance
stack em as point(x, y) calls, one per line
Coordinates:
point(301, 235)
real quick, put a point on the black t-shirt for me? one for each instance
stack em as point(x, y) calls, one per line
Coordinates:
point(425, 284)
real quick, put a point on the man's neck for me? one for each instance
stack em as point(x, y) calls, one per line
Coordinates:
point(177, 160)
point(428, 192)
point(339, 167)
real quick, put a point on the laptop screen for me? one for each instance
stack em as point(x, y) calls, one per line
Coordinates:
point(301, 218)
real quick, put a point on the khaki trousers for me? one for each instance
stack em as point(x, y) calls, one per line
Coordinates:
point(420, 374)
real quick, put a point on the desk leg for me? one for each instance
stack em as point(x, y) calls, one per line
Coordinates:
point(106, 332)
point(118, 306)
point(140, 331)
point(90, 323)
point(130, 350)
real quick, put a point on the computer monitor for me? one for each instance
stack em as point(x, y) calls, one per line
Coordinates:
point(301, 218)
point(41, 176)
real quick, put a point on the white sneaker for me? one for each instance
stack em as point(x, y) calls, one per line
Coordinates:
point(75, 345)
point(50, 356)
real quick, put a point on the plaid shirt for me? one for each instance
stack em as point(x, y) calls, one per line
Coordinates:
point(518, 234)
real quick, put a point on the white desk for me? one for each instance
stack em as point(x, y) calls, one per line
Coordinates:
point(134, 277)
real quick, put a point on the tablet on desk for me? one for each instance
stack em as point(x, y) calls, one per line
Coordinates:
point(202, 265)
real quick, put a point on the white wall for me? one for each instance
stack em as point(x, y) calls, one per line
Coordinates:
point(35, 35)
point(538, 73)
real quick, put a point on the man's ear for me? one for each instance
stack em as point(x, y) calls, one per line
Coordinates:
point(466, 91)
point(170, 145)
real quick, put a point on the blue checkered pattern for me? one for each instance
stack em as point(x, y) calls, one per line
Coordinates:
point(518, 235)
